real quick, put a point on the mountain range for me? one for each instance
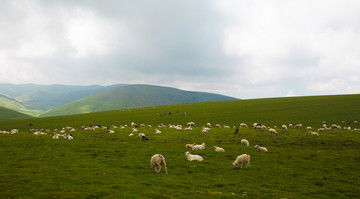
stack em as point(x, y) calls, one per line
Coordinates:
point(54, 100)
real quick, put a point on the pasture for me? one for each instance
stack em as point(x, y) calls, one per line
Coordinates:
point(97, 164)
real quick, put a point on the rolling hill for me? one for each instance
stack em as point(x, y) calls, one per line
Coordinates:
point(35, 99)
point(8, 114)
point(131, 96)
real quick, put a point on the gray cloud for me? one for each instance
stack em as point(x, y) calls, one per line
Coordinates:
point(243, 49)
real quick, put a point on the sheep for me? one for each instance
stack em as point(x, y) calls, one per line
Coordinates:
point(14, 131)
point(298, 126)
point(191, 124)
point(261, 149)
point(56, 136)
point(70, 137)
point(189, 145)
point(243, 125)
point(144, 138)
point(131, 134)
point(157, 131)
point(321, 129)
point(191, 157)
point(284, 127)
point(134, 130)
point(188, 128)
point(218, 126)
point(199, 147)
point(291, 126)
point(218, 149)
point(205, 130)
point(208, 125)
point(156, 161)
point(273, 131)
point(111, 131)
point(244, 142)
point(313, 133)
point(226, 126)
point(356, 122)
point(141, 134)
point(244, 158)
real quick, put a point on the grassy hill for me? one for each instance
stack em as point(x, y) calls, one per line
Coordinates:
point(8, 114)
point(131, 96)
point(17, 106)
point(97, 164)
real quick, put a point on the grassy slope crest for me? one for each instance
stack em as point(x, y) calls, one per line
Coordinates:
point(8, 114)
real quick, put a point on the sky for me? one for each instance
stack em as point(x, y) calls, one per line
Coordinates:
point(245, 49)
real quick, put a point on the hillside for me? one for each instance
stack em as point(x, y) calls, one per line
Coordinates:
point(131, 96)
point(17, 106)
point(8, 114)
point(45, 97)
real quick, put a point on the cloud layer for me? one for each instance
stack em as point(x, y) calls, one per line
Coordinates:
point(245, 49)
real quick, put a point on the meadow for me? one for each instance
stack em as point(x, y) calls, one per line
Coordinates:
point(97, 164)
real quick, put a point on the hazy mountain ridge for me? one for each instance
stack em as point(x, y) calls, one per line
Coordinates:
point(131, 96)
point(51, 100)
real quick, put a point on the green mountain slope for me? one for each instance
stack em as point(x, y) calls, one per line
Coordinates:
point(45, 97)
point(131, 96)
point(8, 114)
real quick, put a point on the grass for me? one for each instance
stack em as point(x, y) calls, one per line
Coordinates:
point(100, 165)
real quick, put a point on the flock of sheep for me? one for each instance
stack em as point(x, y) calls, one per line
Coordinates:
point(158, 160)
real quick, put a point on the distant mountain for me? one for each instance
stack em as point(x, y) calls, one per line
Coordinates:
point(8, 114)
point(45, 97)
point(131, 96)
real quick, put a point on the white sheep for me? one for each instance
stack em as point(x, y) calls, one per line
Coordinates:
point(313, 133)
point(261, 149)
point(156, 161)
point(218, 126)
point(284, 127)
point(226, 126)
point(191, 124)
point(244, 142)
point(205, 130)
point(218, 149)
point(298, 126)
point(273, 131)
point(244, 158)
point(243, 125)
point(131, 134)
point(70, 137)
point(191, 157)
point(14, 131)
point(189, 145)
point(208, 125)
point(157, 131)
point(56, 136)
point(141, 134)
point(199, 147)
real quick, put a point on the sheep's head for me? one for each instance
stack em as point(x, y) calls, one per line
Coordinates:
point(187, 153)
point(256, 146)
point(214, 147)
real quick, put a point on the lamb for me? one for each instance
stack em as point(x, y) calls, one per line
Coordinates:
point(156, 161)
point(244, 158)
point(261, 149)
point(199, 147)
point(313, 133)
point(273, 131)
point(244, 142)
point(191, 157)
point(218, 149)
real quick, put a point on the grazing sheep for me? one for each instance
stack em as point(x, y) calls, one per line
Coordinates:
point(298, 126)
point(191, 124)
point(191, 157)
point(226, 126)
point(199, 147)
point(244, 142)
point(189, 145)
point(208, 125)
point(273, 131)
point(70, 137)
point(218, 126)
point(244, 158)
point(243, 125)
point(14, 131)
point(218, 149)
point(188, 128)
point(205, 130)
point(131, 134)
point(141, 134)
point(56, 136)
point(135, 130)
point(284, 127)
point(291, 126)
point(261, 149)
point(321, 129)
point(156, 161)
point(157, 131)
point(313, 133)
point(356, 122)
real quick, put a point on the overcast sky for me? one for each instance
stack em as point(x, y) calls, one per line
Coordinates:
point(245, 49)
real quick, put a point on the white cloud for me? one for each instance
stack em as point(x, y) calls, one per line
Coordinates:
point(290, 94)
point(334, 86)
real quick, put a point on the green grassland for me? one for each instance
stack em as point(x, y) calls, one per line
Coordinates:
point(8, 114)
point(97, 164)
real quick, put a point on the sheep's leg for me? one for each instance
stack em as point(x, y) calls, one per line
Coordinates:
point(159, 169)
